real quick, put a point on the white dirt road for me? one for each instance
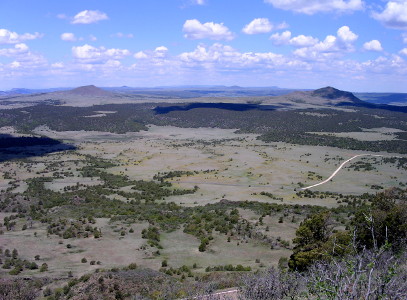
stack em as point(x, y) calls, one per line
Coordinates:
point(338, 169)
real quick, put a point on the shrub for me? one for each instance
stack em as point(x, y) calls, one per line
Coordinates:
point(96, 234)
point(84, 278)
point(15, 271)
point(33, 266)
point(202, 247)
point(44, 267)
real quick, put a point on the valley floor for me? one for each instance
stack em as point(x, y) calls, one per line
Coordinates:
point(222, 165)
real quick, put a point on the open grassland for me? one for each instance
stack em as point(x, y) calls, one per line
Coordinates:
point(65, 255)
point(216, 164)
point(225, 164)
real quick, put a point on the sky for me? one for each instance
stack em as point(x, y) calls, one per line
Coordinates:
point(354, 45)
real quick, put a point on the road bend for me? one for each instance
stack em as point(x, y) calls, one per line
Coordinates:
point(338, 169)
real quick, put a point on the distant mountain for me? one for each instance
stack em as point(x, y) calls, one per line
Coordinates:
point(89, 90)
point(341, 98)
point(21, 91)
point(24, 91)
point(327, 96)
point(275, 97)
point(324, 97)
point(335, 94)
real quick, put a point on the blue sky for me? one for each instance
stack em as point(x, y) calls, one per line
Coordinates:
point(354, 45)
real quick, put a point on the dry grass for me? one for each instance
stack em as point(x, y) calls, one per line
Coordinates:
point(240, 167)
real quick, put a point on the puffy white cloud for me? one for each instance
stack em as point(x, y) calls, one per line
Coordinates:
point(18, 49)
point(394, 15)
point(86, 52)
point(23, 58)
point(303, 41)
point(195, 30)
point(89, 17)
point(116, 53)
point(31, 60)
point(373, 45)
point(327, 45)
point(330, 46)
point(403, 51)
point(319, 51)
point(10, 37)
point(90, 54)
point(281, 38)
point(392, 64)
point(259, 25)
point(203, 53)
point(311, 7)
point(346, 35)
point(297, 41)
point(68, 36)
point(160, 51)
point(404, 37)
point(226, 57)
point(92, 38)
point(157, 62)
point(140, 55)
point(262, 25)
point(199, 2)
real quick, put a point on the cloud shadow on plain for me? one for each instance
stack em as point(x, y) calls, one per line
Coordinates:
point(12, 147)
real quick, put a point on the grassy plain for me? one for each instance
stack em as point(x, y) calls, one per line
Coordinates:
point(223, 165)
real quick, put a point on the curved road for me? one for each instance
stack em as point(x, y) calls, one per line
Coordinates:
point(338, 169)
point(266, 185)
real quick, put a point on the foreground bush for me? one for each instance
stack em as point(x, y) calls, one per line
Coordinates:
point(368, 275)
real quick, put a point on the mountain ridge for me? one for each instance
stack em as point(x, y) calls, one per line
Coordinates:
point(335, 94)
point(88, 95)
point(89, 90)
